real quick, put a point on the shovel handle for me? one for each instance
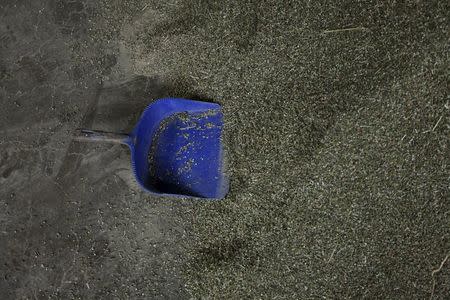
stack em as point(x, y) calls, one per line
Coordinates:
point(89, 135)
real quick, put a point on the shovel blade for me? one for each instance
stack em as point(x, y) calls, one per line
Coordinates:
point(177, 149)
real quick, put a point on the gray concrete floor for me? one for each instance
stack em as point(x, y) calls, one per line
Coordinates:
point(73, 222)
point(336, 129)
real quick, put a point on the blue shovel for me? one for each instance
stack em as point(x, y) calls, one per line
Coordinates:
point(176, 148)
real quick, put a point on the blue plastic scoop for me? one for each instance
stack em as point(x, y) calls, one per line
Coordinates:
point(176, 148)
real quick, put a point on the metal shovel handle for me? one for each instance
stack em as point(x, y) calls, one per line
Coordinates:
point(89, 135)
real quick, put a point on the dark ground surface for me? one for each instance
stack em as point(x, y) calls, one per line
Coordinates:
point(337, 124)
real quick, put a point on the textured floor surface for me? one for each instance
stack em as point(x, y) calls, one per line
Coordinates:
point(337, 133)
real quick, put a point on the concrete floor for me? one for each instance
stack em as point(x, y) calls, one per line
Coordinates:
point(73, 222)
point(337, 133)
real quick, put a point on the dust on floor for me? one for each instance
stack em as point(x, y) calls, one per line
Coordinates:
point(337, 133)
